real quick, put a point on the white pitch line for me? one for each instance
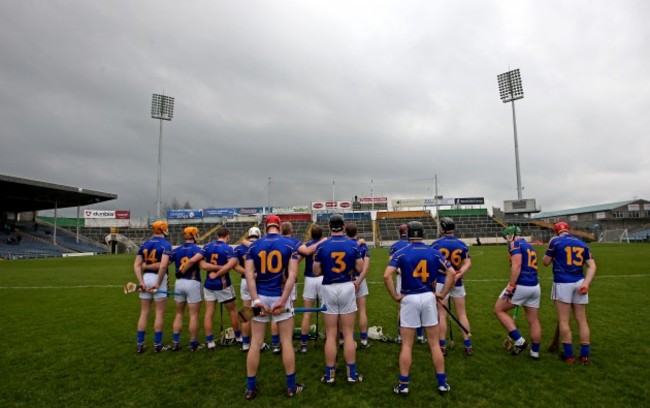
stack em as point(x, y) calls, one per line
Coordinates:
point(237, 285)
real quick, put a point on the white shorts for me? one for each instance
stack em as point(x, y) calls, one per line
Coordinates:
point(269, 301)
point(568, 293)
point(339, 298)
point(455, 291)
point(398, 283)
point(221, 296)
point(526, 296)
point(418, 310)
point(189, 290)
point(363, 289)
point(313, 288)
point(243, 291)
point(150, 279)
point(294, 292)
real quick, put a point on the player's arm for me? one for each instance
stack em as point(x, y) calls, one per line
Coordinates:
point(390, 285)
point(288, 285)
point(150, 267)
point(464, 267)
point(137, 269)
point(364, 269)
point(515, 270)
point(589, 276)
point(240, 269)
point(252, 287)
point(224, 269)
point(190, 262)
point(450, 278)
point(548, 258)
point(164, 263)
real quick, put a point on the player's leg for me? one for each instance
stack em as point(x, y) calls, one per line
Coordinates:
point(580, 313)
point(331, 335)
point(195, 308)
point(501, 308)
point(234, 321)
point(363, 321)
point(405, 360)
point(304, 325)
point(430, 320)
point(563, 314)
point(258, 329)
point(145, 308)
point(459, 303)
point(285, 329)
point(349, 346)
point(208, 322)
point(442, 327)
point(246, 326)
point(535, 326)
point(159, 323)
point(177, 325)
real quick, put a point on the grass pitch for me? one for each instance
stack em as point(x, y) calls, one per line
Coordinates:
point(68, 339)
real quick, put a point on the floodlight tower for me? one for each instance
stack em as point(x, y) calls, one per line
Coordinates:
point(162, 108)
point(510, 90)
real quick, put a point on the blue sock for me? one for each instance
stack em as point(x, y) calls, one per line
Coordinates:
point(352, 370)
point(467, 342)
point(535, 347)
point(140, 336)
point(275, 339)
point(176, 337)
point(568, 350)
point(442, 379)
point(157, 337)
point(363, 335)
point(246, 340)
point(340, 335)
point(291, 381)
point(237, 334)
point(304, 338)
point(515, 335)
point(419, 332)
point(584, 350)
point(251, 383)
point(404, 381)
point(209, 338)
point(330, 372)
point(194, 342)
point(442, 343)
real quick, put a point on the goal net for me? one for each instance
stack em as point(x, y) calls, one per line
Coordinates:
point(614, 235)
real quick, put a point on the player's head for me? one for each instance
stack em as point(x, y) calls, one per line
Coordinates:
point(415, 230)
point(254, 233)
point(273, 221)
point(511, 232)
point(316, 232)
point(403, 230)
point(447, 225)
point(561, 227)
point(336, 223)
point(351, 229)
point(223, 232)
point(286, 228)
point(160, 228)
point(191, 233)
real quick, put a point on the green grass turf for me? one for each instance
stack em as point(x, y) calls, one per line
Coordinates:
point(68, 339)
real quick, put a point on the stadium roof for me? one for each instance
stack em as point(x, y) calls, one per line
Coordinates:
point(583, 210)
point(22, 195)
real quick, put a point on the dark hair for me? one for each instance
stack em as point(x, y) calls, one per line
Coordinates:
point(316, 232)
point(287, 228)
point(223, 232)
point(351, 229)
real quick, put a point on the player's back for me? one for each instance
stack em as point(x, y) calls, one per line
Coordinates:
point(569, 256)
point(337, 256)
point(181, 255)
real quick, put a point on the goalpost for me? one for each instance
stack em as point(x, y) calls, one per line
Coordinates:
point(614, 235)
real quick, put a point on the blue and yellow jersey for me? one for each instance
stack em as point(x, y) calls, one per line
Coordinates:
point(337, 256)
point(455, 250)
point(397, 246)
point(181, 255)
point(364, 251)
point(240, 252)
point(421, 267)
point(153, 250)
point(528, 271)
point(569, 255)
point(309, 260)
point(271, 256)
point(218, 253)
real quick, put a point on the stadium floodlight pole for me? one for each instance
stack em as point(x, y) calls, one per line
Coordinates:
point(162, 108)
point(510, 90)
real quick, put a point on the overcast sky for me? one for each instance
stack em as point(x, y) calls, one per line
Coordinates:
point(328, 99)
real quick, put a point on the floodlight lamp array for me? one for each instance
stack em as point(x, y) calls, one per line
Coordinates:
point(162, 107)
point(510, 87)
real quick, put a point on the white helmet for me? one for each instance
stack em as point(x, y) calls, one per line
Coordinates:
point(254, 232)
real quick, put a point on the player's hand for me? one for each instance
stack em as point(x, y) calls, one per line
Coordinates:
point(399, 297)
point(212, 275)
point(510, 290)
point(152, 289)
point(439, 296)
point(277, 307)
point(140, 287)
point(584, 289)
point(357, 285)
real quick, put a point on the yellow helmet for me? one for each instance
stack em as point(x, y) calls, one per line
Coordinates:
point(191, 233)
point(160, 227)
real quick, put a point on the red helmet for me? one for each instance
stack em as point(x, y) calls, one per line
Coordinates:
point(561, 227)
point(273, 220)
